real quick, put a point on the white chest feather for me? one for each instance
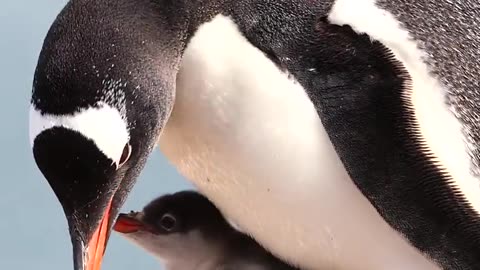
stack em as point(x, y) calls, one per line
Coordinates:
point(250, 139)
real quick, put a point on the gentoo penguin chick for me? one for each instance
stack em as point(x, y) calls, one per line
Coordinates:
point(186, 231)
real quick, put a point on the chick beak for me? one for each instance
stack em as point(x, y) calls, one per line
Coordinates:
point(128, 223)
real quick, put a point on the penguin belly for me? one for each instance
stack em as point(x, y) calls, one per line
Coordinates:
point(251, 141)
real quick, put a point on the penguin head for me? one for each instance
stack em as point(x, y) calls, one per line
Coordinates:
point(179, 229)
point(103, 90)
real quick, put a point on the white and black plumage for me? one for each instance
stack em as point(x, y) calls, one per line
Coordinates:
point(185, 230)
point(340, 122)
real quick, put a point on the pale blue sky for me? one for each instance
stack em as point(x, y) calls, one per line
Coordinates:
point(33, 230)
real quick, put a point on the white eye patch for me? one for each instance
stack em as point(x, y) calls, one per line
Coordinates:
point(104, 125)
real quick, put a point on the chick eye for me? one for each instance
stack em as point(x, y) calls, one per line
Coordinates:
point(168, 222)
point(127, 151)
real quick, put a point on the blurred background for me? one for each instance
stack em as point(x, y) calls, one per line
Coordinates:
point(33, 229)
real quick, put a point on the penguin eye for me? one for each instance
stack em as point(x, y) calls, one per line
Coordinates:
point(127, 151)
point(168, 222)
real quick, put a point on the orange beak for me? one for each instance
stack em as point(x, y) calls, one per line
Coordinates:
point(127, 224)
point(97, 244)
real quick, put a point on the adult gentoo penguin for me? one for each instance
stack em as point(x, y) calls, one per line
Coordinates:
point(339, 134)
point(184, 230)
